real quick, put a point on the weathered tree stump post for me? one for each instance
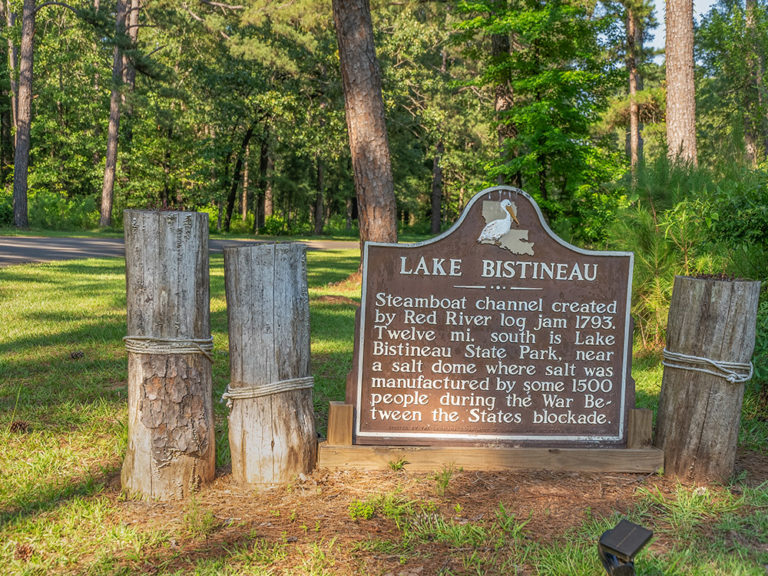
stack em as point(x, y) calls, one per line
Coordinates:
point(710, 340)
point(170, 406)
point(271, 421)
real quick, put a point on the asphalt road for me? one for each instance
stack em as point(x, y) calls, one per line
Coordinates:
point(22, 249)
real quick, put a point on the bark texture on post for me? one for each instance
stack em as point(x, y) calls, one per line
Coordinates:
point(698, 419)
point(271, 421)
point(170, 409)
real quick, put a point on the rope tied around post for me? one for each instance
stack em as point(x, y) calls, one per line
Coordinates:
point(244, 392)
point(152, 345)
point(733, 372)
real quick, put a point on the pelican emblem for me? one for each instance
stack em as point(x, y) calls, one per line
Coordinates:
point(499, 231)
point(494, 230)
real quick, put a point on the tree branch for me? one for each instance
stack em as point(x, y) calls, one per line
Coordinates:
point(201, 20)
point(62, 4)
point(222, 5)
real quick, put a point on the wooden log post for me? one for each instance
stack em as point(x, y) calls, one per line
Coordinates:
point(170, 407)
point(710, 340)
point(272, 434)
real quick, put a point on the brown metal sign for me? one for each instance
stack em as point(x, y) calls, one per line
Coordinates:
point(496, 332)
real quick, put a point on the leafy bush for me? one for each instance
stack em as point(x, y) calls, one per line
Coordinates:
point(274, 226)
point(760, 357)
point(738, 210)
point(213, 215)
point(57, 212)
point(6, 208)
point(638, 231)
point(359, 509)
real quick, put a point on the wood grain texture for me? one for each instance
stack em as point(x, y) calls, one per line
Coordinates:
point(340, 421)
point(430, 458)
point(272, 438)
point(640, 428)
point(170, 413)
point(698, 416)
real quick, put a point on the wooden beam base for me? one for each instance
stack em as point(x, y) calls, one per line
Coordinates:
point(431, 458)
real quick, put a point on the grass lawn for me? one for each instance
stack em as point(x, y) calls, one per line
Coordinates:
point(63, 433)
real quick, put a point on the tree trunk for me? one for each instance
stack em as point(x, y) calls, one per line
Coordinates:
point(108, 185)
point(6, 141)
point(6, 117)
point(269, 200)
point(506, 130)
point(369, 147)
point(13, 63)
point(271, 422)
point(24, 116)
point(170, 410)
point(698, 416)
point(755, 120)
point(437, 188)
point(129, 86)
point(634, 49)
point(681, 93)
point(246, 184)
point(264, 196)
point(319, 212)
point(236, 176)
point(350, 208)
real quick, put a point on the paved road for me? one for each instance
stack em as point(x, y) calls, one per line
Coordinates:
point(21, 249)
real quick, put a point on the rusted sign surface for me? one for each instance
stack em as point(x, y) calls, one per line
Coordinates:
point(496, 332)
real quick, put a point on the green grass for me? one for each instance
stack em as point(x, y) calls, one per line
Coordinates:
point(63, 434)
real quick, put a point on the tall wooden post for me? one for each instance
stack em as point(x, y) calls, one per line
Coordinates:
point(710, 340)
point(271, 421)
point(170, 407)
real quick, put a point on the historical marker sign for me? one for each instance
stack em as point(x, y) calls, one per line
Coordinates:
point(496, 332)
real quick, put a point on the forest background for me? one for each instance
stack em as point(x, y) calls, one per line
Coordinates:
point(238, 110)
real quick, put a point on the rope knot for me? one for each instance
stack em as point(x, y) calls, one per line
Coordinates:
point(152, 345)
point(733, 372)
point(244, 391)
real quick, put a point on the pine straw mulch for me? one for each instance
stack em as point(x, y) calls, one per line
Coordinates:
point(313, 513)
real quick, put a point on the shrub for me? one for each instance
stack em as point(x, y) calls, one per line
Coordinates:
point(57, 212)
point(6, 208)
point(638, 231)
point(274, 226)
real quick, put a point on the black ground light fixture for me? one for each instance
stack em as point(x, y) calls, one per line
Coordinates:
point(619, 545)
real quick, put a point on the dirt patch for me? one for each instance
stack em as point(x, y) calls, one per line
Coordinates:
point(752, 466)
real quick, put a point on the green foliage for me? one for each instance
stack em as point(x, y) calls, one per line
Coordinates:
point(363, 510)
point(558, 85)
point(756, 396)
point(199, 521)
point(432, 527)
point(738, 212)
point(443, 478)
point(6, 207)
point(56, 212)
point(274, 226)
point(732, 42)
point(688, 221)
point(390, 505)
point(690, 506)
point(397, 465)
point(638, 230)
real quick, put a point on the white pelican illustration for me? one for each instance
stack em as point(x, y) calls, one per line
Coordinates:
point(494, 230)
